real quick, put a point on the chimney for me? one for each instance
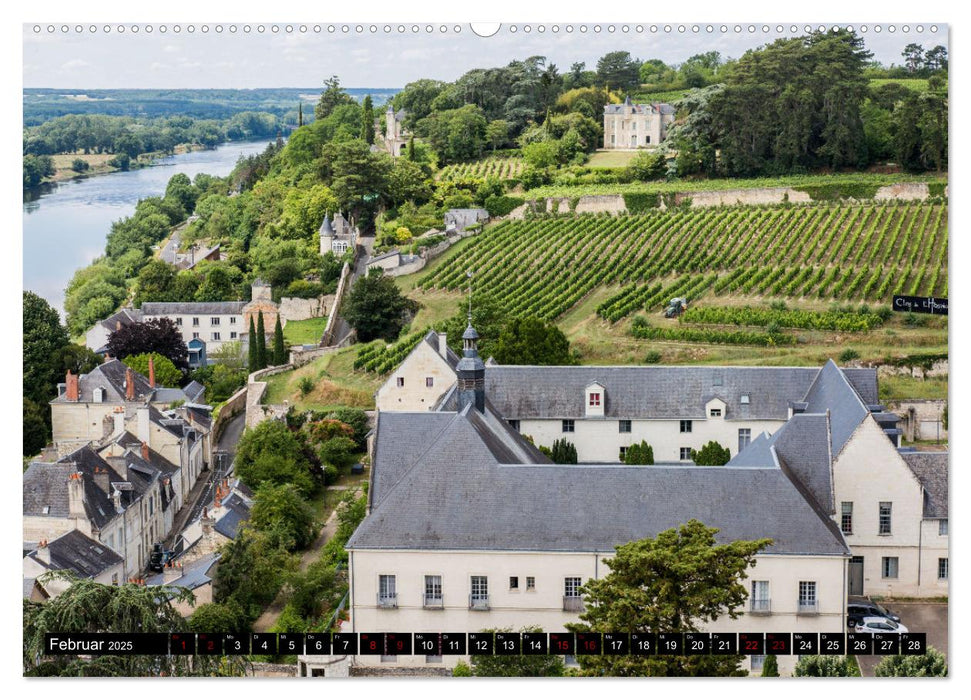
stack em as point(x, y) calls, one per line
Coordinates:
point(75, 496)
point(116, 498)
point(129, 384)
point(144, 424)
point(151, 371)
point(442, 345)
point(101, 478)
point(43, 552)
point(117, 325)
point(72, 391)
point(171, 572)
point(145, 454)
point(119, 418)
point(208, 523)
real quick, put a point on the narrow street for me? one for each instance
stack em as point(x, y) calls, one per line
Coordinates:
point(366, 243)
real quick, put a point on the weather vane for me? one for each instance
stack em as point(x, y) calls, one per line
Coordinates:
point(469, 273)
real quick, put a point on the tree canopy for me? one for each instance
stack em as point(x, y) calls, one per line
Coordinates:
point(532, 341)
point(157, 335)
point(711, 454)
point(376, 308)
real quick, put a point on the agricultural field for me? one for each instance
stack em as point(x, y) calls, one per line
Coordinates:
point(503, 168)
point(846, 253)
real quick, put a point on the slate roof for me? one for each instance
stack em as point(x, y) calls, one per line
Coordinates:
point(802, 446)
point(654, 108)
point(45, 485)
point(657, 392)
point(174, 308)
point(236, 511)
point(110, 376)
point(126, 316)
point(78, 553)
point(194, 575)
point(831, 392)
point(458, 496)
point(930, 468)
point(398, 445)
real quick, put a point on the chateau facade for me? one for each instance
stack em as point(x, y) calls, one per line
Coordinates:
point(628, 126)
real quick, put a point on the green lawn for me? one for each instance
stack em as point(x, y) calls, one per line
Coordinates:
point(306, 332)
point(335, 383)
point(611, 159)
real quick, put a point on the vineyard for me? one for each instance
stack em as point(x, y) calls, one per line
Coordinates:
point(858, 252)
point(383, 358)
point(502, 168)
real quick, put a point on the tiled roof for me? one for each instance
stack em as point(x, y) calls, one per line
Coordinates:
point(111, 377)
point(639, 109)
point(457, 495)
point(189, 308)
point(930, 468)
point(658, 392)
point(832, 392)
point(78, 553)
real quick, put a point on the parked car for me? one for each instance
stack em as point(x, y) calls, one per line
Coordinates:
point(880, 625)
point(859, 607)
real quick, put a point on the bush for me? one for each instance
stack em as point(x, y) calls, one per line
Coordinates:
point(281, 512)
point(79, 165)
point(306, 385)
point(639, 202)
point(462, 670)
point(652, 358)
point(500, 205)
point(849, 355)
point(826, 666)
point(338, 451)
point(914, 320)
point(330, 475)
point(711, 455)
point(933, 663)
point(563, 452)
point(770, 668)
point(639, 453)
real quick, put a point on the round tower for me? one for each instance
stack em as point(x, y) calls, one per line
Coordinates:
point(471, 372)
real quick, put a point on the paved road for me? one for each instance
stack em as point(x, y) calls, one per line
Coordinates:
point(341, 327)
point(930, 618)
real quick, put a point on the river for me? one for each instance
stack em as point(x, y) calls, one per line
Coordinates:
point(66, 224)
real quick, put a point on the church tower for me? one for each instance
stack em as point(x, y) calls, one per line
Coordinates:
point(471, 372)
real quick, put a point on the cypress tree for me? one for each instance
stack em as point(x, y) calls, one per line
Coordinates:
point(411, 149)
point(770, 667)
point(367, 121)
point(279, 352)
point(300, 114)
point(260, 342)
point(253, 354)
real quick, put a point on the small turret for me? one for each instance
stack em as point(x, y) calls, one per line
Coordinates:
point(471, 372)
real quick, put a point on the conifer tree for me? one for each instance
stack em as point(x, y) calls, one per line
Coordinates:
point(367, 121)
point(411, 149)
point(260, 342)
point(253, 352)
point(279, 352)
point(300, 114)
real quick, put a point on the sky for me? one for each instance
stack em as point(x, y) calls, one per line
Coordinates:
point(237, 59)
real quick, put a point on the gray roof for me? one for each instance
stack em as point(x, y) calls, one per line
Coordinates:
point(111, 377)
point(125, 316)
point(802, 446)
point(930, 468)
point(384, 256)
point(194, 575)
point(451, 357)
point(175, 308)
point(76, 552)
point(326, 228)
point(655, 108)
point(45, 486)
point(237, 512)
point(459, 495)
point(832, 392)
point(398, 445)
point(657, 392)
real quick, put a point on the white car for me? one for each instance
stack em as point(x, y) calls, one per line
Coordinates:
point(880, 625)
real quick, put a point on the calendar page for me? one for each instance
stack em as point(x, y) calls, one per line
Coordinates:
point(434, 349)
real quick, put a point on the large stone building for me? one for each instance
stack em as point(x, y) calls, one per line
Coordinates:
point(337, 236)
point(395, 134)
point(628, 126)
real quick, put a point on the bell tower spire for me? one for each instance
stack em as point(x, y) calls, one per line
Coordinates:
point(470, 369)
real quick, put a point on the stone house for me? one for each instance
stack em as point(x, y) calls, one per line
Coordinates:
point(337, 236)
point(74, 553)
point(457, 220)
point(96, 338)
point(261, 301)
point(471, 527)
point(196, 576)
point(396, 135)
point(628, 126)
point(215, 322)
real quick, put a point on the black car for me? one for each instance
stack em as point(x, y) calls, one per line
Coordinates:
point(859, 607)
point(159, 558)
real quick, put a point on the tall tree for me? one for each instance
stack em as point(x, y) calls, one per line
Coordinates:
point(376, 308)
point(43, 339)
point(332, 97)
point(367, 121)
point(260, 342)
point(532, 341)
point(300, 114)
point(913, 57)
point(678, 581)
point(618, 70)
point(254, 355)
point(279, 351)
point(159, 335)
point(711, 455)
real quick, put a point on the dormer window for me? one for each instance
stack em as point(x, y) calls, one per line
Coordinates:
point(595, 396)
point(744, 400)
point(98, 395)
point(715, 413)
point(595, 399)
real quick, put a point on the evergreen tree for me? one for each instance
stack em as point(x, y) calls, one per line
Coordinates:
point(254, 355)
point(639, 453)
point(279, 352)
point(300, 114)
point(260, 342)
point(367, 121)
point(770, 667)
point(411, 149)
point(711, 455)
point(563, 452)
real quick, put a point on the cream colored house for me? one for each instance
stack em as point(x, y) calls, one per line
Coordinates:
point(628, 126)
point(421, 379)
point(74, 553)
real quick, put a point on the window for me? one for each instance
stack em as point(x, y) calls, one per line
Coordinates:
point(514, 424)
point(195, 320)
point(623, 453)
point(807, 596)
point(530, 583)
point(433, 591)
point(571, 586)
point(758, 660)
point(479, 597)
point(685, 453)
point(215, 336)
point(885, 509)
point(942, 527)
point(178, 320)
point(744, 438)
point(151, 505)
point(232, 320)
point(623, 426)
point(942, 568)
point(387, 591)
point(846, 517)
point(715, 413)
point(429, 382)
point(114, 579)
point(686, 426)
point(195, 336)
point(401, 382)
point(568, 426)
point(595, 399)
point(214, 321)
point(613, 139)
point(760, 596)
point(888, 568)
point(513, 583)
point(744, 400)
point(232, 335)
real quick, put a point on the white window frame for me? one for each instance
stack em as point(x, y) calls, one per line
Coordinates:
point(885, 520)
point(846, 517)
point(890, 567)
point(744, 434)
point(568, 425)
point(685, 426)
point(622, 424)
point(942, 527)
point(685, 451)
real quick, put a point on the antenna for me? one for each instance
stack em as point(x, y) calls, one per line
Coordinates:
point(469, 273)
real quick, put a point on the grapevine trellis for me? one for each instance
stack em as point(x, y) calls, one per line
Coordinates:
point(846, 252)
point(497, 167)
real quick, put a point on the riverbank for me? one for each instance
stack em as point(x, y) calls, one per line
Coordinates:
point(98, 163)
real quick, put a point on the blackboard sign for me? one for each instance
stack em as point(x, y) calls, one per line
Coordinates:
point(920, 305)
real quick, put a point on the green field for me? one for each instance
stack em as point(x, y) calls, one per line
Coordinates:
point(307, 332)
point(543, 267)
point(499, 167)
point(611, 159)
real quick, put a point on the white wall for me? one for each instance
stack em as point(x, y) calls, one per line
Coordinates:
point(422, 363)
point(226, 325)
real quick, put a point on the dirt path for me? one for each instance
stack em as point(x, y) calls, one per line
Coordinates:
point(269, 617)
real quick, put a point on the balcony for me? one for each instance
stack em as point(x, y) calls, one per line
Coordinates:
point(478, 602)
point(432, 602)
point(573, 603)
point(387, 601)
point(808, 607)
point(760, 606)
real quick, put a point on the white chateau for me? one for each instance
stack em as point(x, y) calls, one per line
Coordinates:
point(471, 527)
point(628, 126)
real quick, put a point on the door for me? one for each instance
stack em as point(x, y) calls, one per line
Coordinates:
point(856, 576)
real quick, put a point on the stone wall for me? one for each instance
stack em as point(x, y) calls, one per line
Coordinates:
point(256, 412)
point(296, 309)
point(921, 419)
point(938, 369)
point(595, 204)
point(374, 671)
point(265, 670)
point(903, 190)
point(755, 196)
point(234, 405)
point(300, 357)
point(327, 337)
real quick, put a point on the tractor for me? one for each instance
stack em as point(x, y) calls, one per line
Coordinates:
point(676, 307)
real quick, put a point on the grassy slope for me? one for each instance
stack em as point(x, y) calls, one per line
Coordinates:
point(335, 384)
point(611, 159)
point(305, 332)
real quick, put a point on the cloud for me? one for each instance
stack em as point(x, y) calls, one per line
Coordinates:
point(74, 63)
point(172, 48)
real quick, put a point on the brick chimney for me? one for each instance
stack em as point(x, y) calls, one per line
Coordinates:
point(171, 572)
point(72, 391)
point(117, 325)
point(75, 496)
point(151, 371)
point(145, 454)
point(43, 553)
point(129, 384)
point(442, 345)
